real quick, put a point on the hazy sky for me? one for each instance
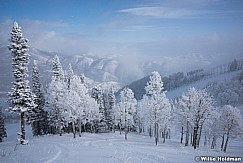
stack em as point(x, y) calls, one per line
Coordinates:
point(177, 31)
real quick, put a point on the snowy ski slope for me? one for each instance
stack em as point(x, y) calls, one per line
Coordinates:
point(103, 148)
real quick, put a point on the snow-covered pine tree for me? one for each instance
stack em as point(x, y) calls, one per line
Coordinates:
point(55, 91)
point(69, 75)
point(111, 115)
point(21, 99)
point(37, 116)
point(100, 98)
point(127, 109)
point(3, 132)
point(57, 71)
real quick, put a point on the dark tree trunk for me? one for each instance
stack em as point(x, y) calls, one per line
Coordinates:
point(114, 130)
point(22, 140)
point(195, 136)
point(187, 134)
point(226, 143)
point(222, 144)
point(125, 133)
point(199, 137)
point(120, 128)
point(74, 132)
point(59, 128)
point(156, 133)
point(213, 142)
point(80, 127)
point(164, 135)
point(150, 132)
point(38, 128)
point(168, 134)
point(205, 140)
point(191, 139)
point(182, 133)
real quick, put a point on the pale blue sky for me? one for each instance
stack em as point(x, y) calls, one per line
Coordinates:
point(164, 29)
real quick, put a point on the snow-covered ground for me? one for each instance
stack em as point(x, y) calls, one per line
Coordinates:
point(105, 147)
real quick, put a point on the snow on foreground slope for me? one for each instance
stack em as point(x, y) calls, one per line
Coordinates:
point(106, 147)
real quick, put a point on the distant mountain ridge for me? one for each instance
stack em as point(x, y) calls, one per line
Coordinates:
point(96, 68)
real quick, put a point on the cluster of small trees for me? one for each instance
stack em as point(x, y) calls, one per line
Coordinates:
point(152, 114)
point(154, 111)
point(196, 114)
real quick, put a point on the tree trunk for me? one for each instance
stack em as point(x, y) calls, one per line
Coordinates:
point(182, 133)
point(199, 137)
point(125, 123)
point(120, 127)
point(226, 143)
point(91, 128)
point(222, 144)
point(38, 128)
point(125, 133)
point(205, 140)
point(191, 139)
point(164, 134)
point(114, 130)
point(168, 133)
point(60, 128)
point(74, 133)
point(150, 132)
point(22, 140)
point(139, 126)
point(187, 134)
point(195, 137)
point(156, 133)
point(213, 143)
point(80, 127)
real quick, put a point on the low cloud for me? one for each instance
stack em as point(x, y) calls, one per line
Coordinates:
point(175, 54)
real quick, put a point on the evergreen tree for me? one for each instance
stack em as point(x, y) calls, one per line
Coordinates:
point(3, 132)
point(100, 98)
point(57, 71)
point(55, 92)
point(111, 109)
point(21, 99)
point(70, 75)
point(37, 116)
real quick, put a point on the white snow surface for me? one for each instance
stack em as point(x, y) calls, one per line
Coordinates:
point(103, 148)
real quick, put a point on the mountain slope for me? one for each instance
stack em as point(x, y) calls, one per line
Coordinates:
point(177, 83)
